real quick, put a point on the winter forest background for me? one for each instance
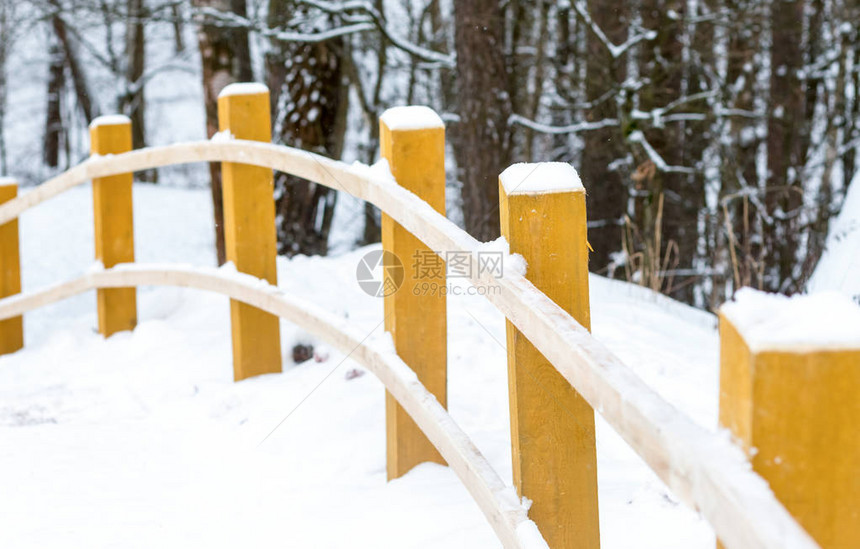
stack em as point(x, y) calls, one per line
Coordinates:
point(716, 138)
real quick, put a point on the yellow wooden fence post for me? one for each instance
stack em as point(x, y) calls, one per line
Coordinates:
point(249, 228)
point(790, 398)
point(12, 329)
point(114, 223)
point(542, 208)
point(412, 139)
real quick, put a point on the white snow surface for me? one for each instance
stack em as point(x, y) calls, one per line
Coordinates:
point(143, 439)
point(540, 177)
point(774, 321)
point(512, 263)
point(8, 182)
point(839, 267)
point(110, 120)
point(222, 136)
point(379, 170)
point(413, 117)
point(243, 88)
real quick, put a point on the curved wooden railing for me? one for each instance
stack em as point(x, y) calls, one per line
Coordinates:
point(703, 469)
point(499, 503)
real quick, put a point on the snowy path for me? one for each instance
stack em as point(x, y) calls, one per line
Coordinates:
point(143, 440)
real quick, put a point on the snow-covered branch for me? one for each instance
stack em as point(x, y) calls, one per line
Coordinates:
point(687, 99)
point(371, 20)
point(615, 51)
point(237, 21)
point(654, 156)
point(183, 64)
point(518, 120)
point(658, 116)
point(720, 111)
point(367, 8)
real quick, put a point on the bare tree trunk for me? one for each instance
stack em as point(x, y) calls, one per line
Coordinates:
point(244, 68)
point(224, 56)
point(3, 158)
point(134, 102)
point(709, 47)
point(534, 78)
point(79, 79)
point(178, 28)
point(6, 23)
point(567, 84)
point(520, 20)
point(852, 117)
point(309, 105)
point(658, 62)
point(785, 157)
point(483, 139)
point(440, 26)
point(664, 61)
point(53, 118)
point(740, 179)
point(817, 96)
point(607, 190)
point(372, 216)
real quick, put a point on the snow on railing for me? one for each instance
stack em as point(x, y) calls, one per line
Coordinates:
point(704, 469)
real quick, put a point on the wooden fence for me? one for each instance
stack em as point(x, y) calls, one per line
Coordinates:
point(558, 373)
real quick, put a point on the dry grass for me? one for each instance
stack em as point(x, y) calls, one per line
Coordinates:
point(648, 263)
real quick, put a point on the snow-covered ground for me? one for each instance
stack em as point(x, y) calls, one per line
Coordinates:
point(839, 267)
point(143, 440)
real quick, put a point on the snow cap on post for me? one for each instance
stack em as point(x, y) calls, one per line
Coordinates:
point(8, 182)
point(243, 88)
point(110, 120)
point(411, 118)
point(789, 378)
point(540, 177)
point(826, 320)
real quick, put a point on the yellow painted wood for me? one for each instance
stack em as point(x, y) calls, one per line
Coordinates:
point(249, 234)
point(796, 413)
point(552, 426)
point(114, 226)
point(12, 329)
point(735, 384)
point(415, 314)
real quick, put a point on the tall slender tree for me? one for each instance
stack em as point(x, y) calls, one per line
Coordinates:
point(310, 97)
point(605, 97)
point(133, 101)
point(225, 58)
point(53, 112)
point(785, 154)
point(483, 137)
